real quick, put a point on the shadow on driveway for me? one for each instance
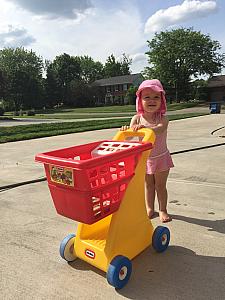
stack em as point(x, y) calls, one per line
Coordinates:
point(178, 273)
point(217, 225)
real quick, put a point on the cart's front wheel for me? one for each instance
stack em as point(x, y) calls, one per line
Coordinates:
point(119, 271)
point(161, 238)
point(66, 249)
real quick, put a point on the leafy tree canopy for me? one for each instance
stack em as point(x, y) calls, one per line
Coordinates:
point(90, 70)
point(20, 59)
point(22, 73)
point(60, 73)
point(67, 68)
point(117, 68)
point(178, 55)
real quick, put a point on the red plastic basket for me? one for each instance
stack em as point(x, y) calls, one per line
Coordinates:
point(87, 182)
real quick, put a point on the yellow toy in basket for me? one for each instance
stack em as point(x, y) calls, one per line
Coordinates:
point(113, 241)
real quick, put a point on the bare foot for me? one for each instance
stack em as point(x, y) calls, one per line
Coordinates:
point(164, 217)
point(152, 214)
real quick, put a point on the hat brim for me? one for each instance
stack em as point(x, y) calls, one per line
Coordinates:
point(155, 88)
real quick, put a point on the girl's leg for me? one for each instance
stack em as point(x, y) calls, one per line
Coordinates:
point(150, 194)
point(160, 186)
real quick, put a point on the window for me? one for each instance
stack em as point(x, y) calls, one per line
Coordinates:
point(125, 87)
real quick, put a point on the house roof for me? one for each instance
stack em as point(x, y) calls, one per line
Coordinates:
point(118, 80)
point(216, 81)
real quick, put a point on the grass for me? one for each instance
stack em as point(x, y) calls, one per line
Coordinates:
point(94, 112)
point(79, 116)
point(26, 132)
point(6, 118)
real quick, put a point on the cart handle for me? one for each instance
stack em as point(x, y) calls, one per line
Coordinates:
point(147, 134)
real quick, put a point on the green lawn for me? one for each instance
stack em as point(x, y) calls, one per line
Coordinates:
point(94, 112)
point(26, 132)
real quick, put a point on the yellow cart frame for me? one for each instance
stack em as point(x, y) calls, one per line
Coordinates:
point(124, 233)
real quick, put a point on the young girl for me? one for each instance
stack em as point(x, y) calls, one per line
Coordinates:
point(151, 109)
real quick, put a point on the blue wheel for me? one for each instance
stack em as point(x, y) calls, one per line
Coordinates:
point(66, 249)
point(119, 271)
point(161, 238)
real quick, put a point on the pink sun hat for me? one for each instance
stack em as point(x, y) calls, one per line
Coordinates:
point(156, 86)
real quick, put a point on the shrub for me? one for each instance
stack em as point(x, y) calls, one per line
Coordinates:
point(2, 111)
point(30, 113)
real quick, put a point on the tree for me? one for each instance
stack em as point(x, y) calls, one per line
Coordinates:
point(131, 94)
point(199, 90)
point(3, 84)
point(61, 72)
point(179, 55)
point(81, 95)
point(125, 63)
point(52, 86)
point(23, 74)
point(117, 68)
point(90, 70)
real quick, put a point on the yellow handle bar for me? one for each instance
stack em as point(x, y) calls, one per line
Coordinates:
point(147, 134)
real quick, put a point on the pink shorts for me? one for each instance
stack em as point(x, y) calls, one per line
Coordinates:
point(159, 163)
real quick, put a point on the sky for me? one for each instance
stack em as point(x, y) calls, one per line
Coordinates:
point(99, 28)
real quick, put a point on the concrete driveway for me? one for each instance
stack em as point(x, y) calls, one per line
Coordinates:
point(193, 267)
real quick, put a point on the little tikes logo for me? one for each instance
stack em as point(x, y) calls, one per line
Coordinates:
point(90, 253)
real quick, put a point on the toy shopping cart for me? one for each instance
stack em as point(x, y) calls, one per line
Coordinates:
point(101, 185)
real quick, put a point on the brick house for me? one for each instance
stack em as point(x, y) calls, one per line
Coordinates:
point(113, 90)
point(216, 88)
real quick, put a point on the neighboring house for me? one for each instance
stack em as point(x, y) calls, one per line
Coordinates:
point(216, 88)
point(114, 89)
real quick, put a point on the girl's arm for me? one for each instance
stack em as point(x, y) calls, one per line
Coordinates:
point(133, 123)
point(158, 129)
point(162, 126)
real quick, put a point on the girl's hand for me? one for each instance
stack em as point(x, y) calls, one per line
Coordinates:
point(125, 127)
point(137, 127)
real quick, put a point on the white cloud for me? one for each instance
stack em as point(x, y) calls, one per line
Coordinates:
point(137, 57)
point(98, 34)
point(121, 32)
point(15, 37)
point(188, 10)
point(139, 62)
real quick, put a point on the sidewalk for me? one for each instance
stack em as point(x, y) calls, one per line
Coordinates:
point(192, 267)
